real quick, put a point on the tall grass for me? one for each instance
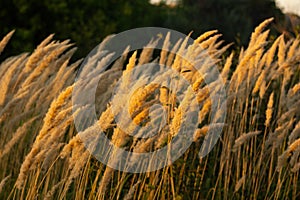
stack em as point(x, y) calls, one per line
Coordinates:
point(257, 156)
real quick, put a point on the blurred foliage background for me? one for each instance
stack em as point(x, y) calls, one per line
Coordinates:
point(87, 22)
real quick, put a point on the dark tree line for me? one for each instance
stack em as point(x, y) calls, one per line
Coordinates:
point(87, 22)
point(235, 19)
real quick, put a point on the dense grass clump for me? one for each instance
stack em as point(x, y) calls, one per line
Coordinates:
point(257, 157)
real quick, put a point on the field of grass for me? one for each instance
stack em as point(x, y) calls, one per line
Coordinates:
point(256, 157)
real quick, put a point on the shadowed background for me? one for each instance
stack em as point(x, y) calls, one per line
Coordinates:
point(87, 22)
